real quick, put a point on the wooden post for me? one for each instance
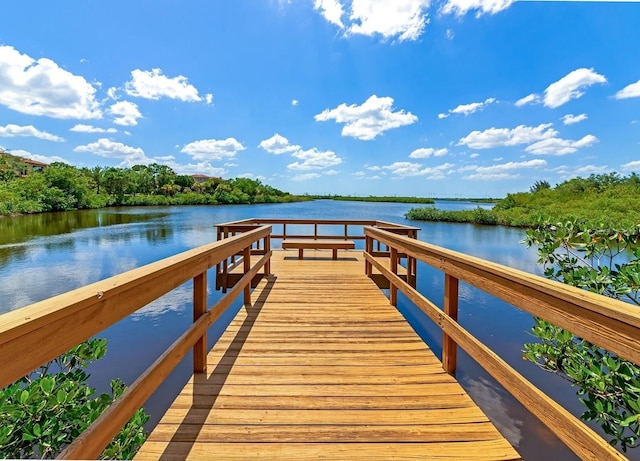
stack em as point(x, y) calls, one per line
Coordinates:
point(393, 290)
point(247, 267)
point(368, 247)
point(199, 309)
point(315, 231)
point(267, 249)
point(449, 347)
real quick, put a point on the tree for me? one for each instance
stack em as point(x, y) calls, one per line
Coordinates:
point(604, 261)
point(46, 410)
point(539, 185)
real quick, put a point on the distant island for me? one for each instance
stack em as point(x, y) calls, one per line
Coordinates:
point(373, 198)
point(599, 200)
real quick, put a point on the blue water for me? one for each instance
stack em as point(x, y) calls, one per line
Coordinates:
point(44, 256)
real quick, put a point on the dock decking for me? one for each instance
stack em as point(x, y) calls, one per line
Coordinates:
point(322, 366)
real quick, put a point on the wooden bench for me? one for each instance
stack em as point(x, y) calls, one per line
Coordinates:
point(309, 244)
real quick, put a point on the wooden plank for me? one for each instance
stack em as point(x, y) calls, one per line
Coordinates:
point(322, 365)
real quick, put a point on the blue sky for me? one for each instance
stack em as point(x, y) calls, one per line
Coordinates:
point(466, 98)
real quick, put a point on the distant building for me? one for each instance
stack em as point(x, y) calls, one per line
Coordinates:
point(200, 177)
point(32, 166)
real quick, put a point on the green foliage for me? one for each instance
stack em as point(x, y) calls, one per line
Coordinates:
point(64, 187)
point(372, 198)
point(604, 261)
point(607, 200)
point(476, 216)
point(45, 411)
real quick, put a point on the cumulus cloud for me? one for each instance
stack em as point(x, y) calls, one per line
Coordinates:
point(629, 91)
point(306, 176)
point(313, 159)
point(41, 87)
point(107, 148)
point(399, 19)
point(80, 128)
point(213, 149)
point(365, 122)
point(11, 131)
point(468, 109)
point(277, 145)
point(631, 166)
point(428, 152)
point(530, 99)
point(331, 10)
point(503, 171)
point(558, 146)
point(125, 113)
point(462, 7)
point(192, 168)
point(153, 84)
point(497, 137)
point(39, 157)
point(571, 86)
point(407, 169)
point(474, 155)
point(570, 119)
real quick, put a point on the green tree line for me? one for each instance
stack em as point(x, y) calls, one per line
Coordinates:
point(64, 187)
point(599, 200)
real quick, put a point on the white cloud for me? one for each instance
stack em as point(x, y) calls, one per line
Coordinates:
point(193, 168)
point(154, 84)
point(462, 7)
point(406, 169)
point(450, 34)
point(631, 166)
point(295, 102)
point(474, 155)
point(39, 157)
point(80, 128)
point(12, 130)
point(571, 86)
point(331, 10)
point(107, 148)
point(400, 19)
point(566, 171)
point(570, 119)
point(530, 99)
point(208, 98)
point(503, 171)
point(558, 146)
point(368, 120)
point(313, 159)
point(404, 19)
point(277, 144)
point(41, 87)
point(213, 149)
point(496, 137)
point(468, 109)
point(125, 113)
point(629, 91)
point(331, 173)
point(428, 152)
point(306, 176)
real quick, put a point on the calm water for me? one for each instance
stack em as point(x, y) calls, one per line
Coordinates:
point(44, 255)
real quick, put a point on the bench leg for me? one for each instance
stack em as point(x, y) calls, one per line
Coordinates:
point(335, 253)
point(300, 250)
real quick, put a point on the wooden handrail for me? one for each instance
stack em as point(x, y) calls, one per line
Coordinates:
point(83, 312)
point(594, 317)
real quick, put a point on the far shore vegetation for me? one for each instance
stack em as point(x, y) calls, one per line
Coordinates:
point(374, 198)
point(599, 200)
point(61, 187)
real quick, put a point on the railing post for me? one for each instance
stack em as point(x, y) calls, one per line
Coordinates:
point(368, 247)
point(393, 289)
point(449, 347)
point(267, 249)
point(199, 309)
point(246, 260)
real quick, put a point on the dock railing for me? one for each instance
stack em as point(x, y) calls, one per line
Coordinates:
point(33, 335)
point(312, 229)
point(611, 324)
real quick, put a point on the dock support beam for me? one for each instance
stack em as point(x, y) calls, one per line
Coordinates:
point(199, 309)
point(449, 346)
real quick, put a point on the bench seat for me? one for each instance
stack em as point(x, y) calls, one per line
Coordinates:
point(325, 244)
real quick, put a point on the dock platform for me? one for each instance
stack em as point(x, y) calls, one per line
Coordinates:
point(321, 365)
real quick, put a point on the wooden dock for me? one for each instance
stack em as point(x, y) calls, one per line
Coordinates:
point(322, 366)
